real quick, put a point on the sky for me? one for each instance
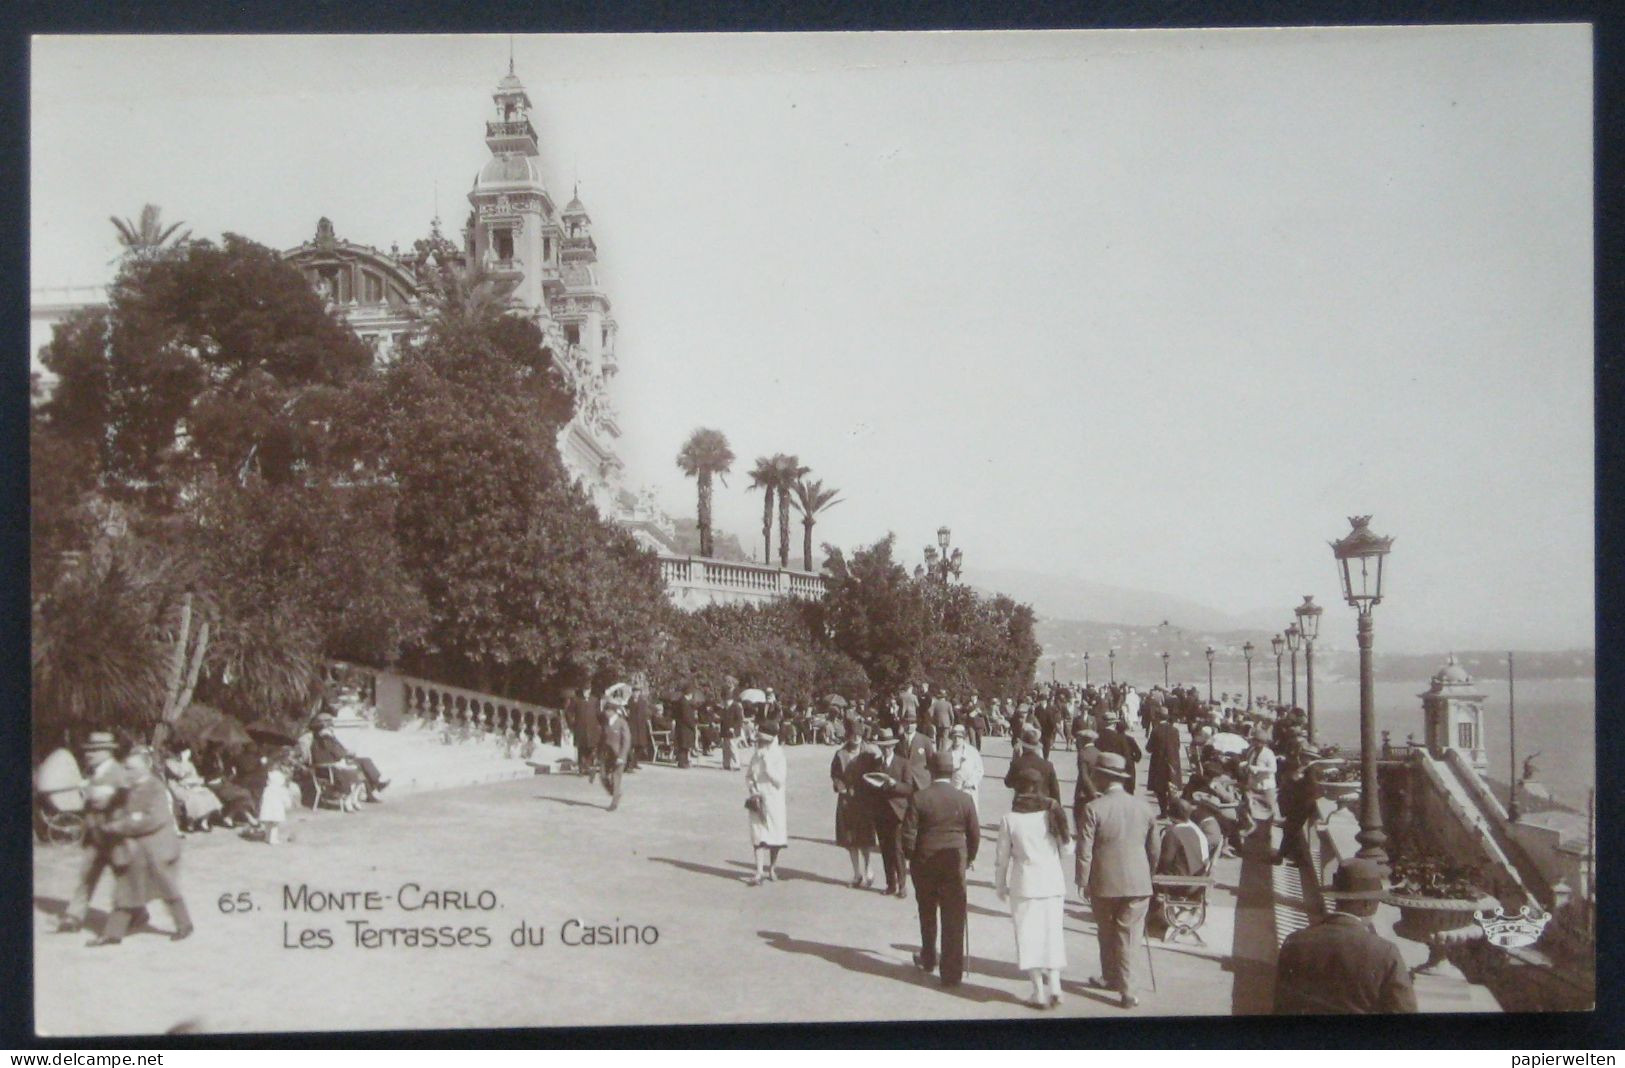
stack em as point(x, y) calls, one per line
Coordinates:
point(1158, 309)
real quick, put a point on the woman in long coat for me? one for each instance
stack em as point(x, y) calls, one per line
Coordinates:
point(854, 805)
point(146, 852)
point(769, 824)
point(1030, 873)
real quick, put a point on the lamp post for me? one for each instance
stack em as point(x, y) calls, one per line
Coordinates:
point(1111, 664)
point(1308, 614)
point(1247, 654)
point(1210, 674)
point(1277, 644)
point(1165, 655)
point(1359, 555)
point(1512, 745)
point(940, 564)
point(1086, 667)
point(1294, 641)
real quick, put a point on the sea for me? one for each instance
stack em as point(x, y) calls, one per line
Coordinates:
point(1556, 719)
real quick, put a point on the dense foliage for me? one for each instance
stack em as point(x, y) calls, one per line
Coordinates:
point(774, 645)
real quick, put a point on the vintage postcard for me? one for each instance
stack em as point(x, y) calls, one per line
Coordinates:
point(544, 530)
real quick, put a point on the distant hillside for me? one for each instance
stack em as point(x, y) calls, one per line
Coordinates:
point(1065, 597)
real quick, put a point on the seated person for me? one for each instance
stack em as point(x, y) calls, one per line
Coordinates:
point(1217, 798)
point(1184, 847)
point(327, 751)
point(199, 805)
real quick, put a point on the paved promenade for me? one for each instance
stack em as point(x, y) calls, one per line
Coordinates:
point(541, 853)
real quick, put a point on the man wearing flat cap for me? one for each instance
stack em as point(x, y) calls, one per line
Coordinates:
point(940, 836)
point(1117, 849)
point(1341, 964)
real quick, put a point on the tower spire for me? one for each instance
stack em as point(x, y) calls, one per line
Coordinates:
point(510, 53)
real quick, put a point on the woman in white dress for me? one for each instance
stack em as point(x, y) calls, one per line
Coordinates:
point(967, 765)
point(765, 780)
point(1030, 874)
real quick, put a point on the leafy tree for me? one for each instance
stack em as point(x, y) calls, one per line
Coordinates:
point(207, 357)
point(810, 499)
point(703, 455)
point(773, 645)
point(874, 613)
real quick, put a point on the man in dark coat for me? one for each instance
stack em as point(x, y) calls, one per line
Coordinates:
point(1165, 774)
point(582, 712)
point(1117, 740)
point(940, 837)
point(687, 728)
point(916, 748)
point(942, 719)
point(733, 725)
point(638, 714)
point(900, 779)
point(1028, 757)
point(1049, 718)
point(1087, 789)
point(1341, 965)
point(145, 852)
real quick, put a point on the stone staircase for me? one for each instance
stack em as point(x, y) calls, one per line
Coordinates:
point(418, 757)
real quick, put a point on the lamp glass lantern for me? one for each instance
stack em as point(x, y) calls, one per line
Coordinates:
point(1277, 644)
point(1360, 554)
point(1308, 614)
point(1209, 654)
point(1247, 651)
point(943, 538)
point(1294, 638)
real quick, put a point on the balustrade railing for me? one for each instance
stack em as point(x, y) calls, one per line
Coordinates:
point(458, 711)
point(735, 580)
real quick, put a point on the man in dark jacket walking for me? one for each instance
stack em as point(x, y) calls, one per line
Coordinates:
point(900, 779)
point(638, 714)
point(940, 836)
point(1341, 965)
point(733, 725)
point(687, 728)
point(1028, 758)
point(1165, 773)
point(1117, 740)
point(582, 712)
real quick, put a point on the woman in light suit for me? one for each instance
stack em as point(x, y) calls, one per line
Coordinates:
point(1030, 874)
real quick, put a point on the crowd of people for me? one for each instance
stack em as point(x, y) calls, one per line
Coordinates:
point(907, 776)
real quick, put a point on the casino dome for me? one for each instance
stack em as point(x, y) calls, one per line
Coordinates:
point(509, 170)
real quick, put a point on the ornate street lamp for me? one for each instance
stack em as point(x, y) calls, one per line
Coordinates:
point(1111, 664)
point(1294, 642)
point(1247, 654)
point(1210, 674)
point(1308, 614)
point(1086, 667)
point(1359, 556)
point(1277, 644)
point(1165, 669)
point(940, 564)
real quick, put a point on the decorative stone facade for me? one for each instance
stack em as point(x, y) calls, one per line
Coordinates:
point(1453, 716)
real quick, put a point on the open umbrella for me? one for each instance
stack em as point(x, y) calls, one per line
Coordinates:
point(1228, 743)
point(753, 696)
point(836, 700)
point(202, 724)
point(268, 733)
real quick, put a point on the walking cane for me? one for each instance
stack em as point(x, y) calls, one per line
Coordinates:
point(1150, 966)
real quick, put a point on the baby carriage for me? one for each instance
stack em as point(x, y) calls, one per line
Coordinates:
point(59, 809)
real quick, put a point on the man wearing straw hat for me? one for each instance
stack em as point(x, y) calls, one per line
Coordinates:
point(1341, 965)
point(615, 742)
point(103, 782)
point(1117, 849)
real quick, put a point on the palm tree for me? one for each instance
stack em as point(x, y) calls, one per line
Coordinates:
point(469, 296)
point(765, 477)
point(704, 454)
point(811, 498)
point(147, 236)
point(789, 469)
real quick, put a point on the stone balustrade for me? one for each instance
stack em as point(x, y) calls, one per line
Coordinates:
point(400, 697)
point(696, 581)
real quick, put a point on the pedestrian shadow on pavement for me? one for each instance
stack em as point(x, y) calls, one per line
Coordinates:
point(795, 873)
point(862, 961)
point(704, 869)
point(95, 919)
point(818, 841)
point(572, 801)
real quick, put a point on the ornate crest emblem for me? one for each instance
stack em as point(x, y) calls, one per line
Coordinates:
point(1522, 928)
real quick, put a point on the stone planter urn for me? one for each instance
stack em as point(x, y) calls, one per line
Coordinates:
point(1439, 923)
point(1343, 794)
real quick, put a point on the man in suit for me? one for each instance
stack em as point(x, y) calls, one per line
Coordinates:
point(916, 748)
point(638, 714)
point(1027, 758)
point(1117, 847)
point(942, 719)
point(907, 702)
point(1117, 740)
point(687, 727)
point(940, 838)
point(104, 780)
point(1087, 789)
point(1165, 774)
point(145, 852)
point(1341, 965)
point(733, 724)
point(901, 779)
point(582, 712)
point(616, 741)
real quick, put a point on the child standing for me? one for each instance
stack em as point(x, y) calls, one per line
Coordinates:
point(274, 804)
